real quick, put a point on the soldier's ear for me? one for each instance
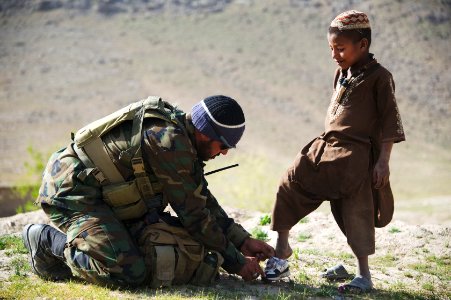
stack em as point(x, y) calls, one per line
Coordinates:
point(199, 136)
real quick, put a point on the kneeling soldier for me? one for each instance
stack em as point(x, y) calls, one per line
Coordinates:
point(115, 179)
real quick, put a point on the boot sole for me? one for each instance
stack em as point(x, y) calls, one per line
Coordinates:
point(26, 242)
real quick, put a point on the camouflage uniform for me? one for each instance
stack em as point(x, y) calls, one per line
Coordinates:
point(102, 249)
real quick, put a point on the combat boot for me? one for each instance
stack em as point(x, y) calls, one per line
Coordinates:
point(38, 241)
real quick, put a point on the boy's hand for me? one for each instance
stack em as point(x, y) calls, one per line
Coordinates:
point(381, 174)
point(257, 248)
point(251, 270)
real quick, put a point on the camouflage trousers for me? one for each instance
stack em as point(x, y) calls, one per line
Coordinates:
point(99, 248)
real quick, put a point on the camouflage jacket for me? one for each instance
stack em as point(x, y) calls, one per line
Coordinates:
point(169, 154)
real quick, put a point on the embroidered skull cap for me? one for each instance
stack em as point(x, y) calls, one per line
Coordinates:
point(351, 19)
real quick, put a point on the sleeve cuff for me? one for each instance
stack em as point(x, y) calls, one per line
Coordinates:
point(237, 234)
point(233, 260)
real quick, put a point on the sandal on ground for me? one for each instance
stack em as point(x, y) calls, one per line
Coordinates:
point(337, 272)
point(358, 285)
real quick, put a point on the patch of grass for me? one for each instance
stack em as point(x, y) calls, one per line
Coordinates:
point(303, 277)
point(394, 230)
point(387, 260)
point(20, 266)
point(345, 255)
point(12, 243)
point(439, 266)
point(35, 167)
point(302, 237)
point(442, 272)
point(428, 286)
point(304, 220)
point(311, 252)
point(265, 220)
point(441, 261)
point(297, 253)
point(260, 234)
point(399, 291)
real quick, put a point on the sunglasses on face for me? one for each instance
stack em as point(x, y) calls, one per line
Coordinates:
point(224, 144)
point(224, 147)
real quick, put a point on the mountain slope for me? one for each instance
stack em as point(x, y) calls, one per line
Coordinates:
point(69, 62)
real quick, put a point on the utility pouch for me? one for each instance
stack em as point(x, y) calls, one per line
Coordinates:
point(208, 269)
point(174, 257)
point(125, 200)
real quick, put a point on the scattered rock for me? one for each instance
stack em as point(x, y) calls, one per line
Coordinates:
point(14, 224)
point(47, 5)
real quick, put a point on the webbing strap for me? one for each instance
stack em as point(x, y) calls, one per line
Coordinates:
point(142, 181)
point(83, 157)
point(90, 167)
point(135, 144)
point(102, 161)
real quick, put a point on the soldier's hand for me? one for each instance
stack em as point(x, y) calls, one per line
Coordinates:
point(257, 248)
point(251, 270)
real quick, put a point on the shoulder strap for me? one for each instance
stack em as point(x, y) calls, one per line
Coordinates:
point(89, 146)
point(92, 152)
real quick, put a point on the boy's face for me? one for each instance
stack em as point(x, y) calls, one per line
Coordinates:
point(346, 52)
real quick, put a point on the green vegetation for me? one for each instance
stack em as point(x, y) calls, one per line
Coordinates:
point(302, 237)
point(265, 220)
point(34, 169)
point(394, 230)
point(304, 220)
point(436, 266)
point(259, 234)
point(304, 284)
point(249, 186)
point(297, 253)
point(310, 251)
point(387, 260)
point(343, 255)
point(12, 244)
point(20, 266)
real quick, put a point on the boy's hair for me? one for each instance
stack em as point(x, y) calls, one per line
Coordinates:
point(354, 35)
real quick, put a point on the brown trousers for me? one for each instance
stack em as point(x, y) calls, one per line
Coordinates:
point(354, 214)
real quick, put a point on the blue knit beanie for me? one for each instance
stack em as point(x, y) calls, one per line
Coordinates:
point(220, 118)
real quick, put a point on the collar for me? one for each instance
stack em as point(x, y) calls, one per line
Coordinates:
point(372, 61)
point(189, 126)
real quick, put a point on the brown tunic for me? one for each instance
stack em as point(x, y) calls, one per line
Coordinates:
point(337, 165)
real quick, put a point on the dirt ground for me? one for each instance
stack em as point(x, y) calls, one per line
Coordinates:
point(400, 250)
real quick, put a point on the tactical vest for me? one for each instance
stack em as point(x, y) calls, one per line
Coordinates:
point(128, 199)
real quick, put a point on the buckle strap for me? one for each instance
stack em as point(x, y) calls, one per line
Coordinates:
point(142, 181)
point(138, 166)
point(90, 167)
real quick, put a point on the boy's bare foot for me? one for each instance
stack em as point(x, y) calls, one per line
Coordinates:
point(283, 249)
point(283, 252)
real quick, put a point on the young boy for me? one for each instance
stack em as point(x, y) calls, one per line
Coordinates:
point(349, 163)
